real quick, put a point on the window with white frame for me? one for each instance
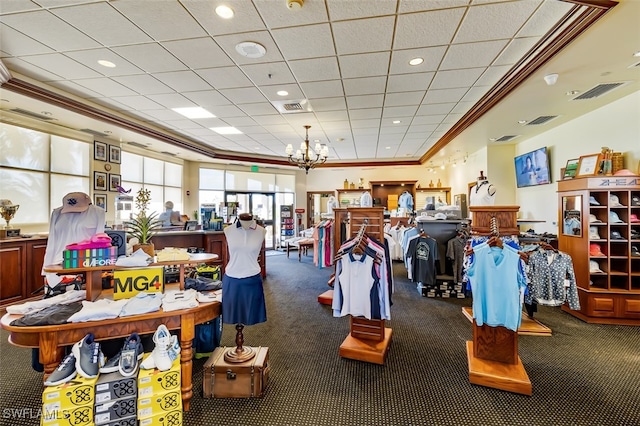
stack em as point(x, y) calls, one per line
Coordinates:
point(38, 169)
point(162, 178)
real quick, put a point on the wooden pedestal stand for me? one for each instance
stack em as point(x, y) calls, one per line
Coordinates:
point(367, 341)
point(239, 353)
point(528, 326)
point(494, 361)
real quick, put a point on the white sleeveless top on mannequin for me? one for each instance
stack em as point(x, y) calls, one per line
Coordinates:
point(481, 195)
point(244, 247)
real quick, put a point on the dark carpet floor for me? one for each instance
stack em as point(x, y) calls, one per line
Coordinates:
point(582, 375)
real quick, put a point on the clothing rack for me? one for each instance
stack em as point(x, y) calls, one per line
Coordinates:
point(368, 340)
point(492, 355)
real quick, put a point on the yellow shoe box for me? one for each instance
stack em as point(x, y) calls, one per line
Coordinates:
point(74, 416)
point(75, 393)
point(159, 404)
point(153, 382)
point(168, 418)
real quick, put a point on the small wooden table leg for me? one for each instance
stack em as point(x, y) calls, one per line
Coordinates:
point(288, 249)
point(187, 334)
point(300, 248)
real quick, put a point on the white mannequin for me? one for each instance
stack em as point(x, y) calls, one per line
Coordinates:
point(482, 193)
point(332, 203)
point(244, 243)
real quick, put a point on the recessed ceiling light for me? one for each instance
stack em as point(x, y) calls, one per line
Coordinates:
point(492, 139)
point(194, 112)
point(226, 130)
point(416, 61)
point(397, 121)
point(225, 12)
point(282, 93)
point(522, 121)
point(339, 139)
point(572, 92)
point(251, 50)
point(106, 63)
point(387, 147)
point(637, 54)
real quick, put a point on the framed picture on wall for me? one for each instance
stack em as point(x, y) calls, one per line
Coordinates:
point(99, 151)
point(114, 154)
point(114, 182)
point(99, 181)
point(588, 165)
point(100, 200)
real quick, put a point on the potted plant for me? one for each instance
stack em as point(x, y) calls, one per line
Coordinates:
point(143, 225)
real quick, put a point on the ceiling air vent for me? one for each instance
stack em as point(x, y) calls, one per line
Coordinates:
point(32, 114)
point(136, 144)
point(506, 138)
point(598, 91)
point(94, 132)
point(541, 120)
point(168, 153)
point(292, 106)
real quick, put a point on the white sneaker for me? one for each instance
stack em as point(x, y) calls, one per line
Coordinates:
point(174, 348)
point(159, 358)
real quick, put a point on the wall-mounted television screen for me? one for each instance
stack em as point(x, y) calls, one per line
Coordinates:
point(532, 168)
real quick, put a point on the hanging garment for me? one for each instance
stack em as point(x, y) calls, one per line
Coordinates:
point(552, 280)
point(497, 284)
point(455, 252)
point(423, 253)
point(406, 200)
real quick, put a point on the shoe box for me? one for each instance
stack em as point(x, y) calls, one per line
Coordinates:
point(159, 403)
point(442, 289)
point(167, 418)
point(78, 392)
point(152, 382)
point(71, 416)
point(246, 379)
point(112, 386)
point(128, 421)
point(109, 412)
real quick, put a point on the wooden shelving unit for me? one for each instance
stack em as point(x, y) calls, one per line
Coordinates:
point(613, 295)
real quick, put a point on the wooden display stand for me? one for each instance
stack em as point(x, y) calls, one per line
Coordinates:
point(493, 354)
point(528, 326)
point(368, 341)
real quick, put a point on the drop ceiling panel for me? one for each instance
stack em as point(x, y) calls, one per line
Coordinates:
point(323, 89)
point(492, 75)
point(261, 108)
point(99, 20)
point(224, 111)
point(409, 82)
point(456, 78)
point(367, 101)
point(363, 124)
point(91, 57)
point(432, 57)
point(328, 104)
point(419, 5)
point(50, 30)
point(340, 10)
point(435, 109)
point(277, 14)
point(225, 77)
point(169, 22)
point(515, 50)
point(22, 67)
point(439, 96)
point(15, 43)
point(426, 29)
point(305, 42)
point(370, 64)
point(106, 87)
point(293, 90)
point(269, 74)
point(399, 111)
point(143, 84)
point(198, 53)
point(364, 86)
point(363, 36)
point(246, 17)
point(404, 98)
point(229, 42)
point(243, 95)
point(333, 116)
point(471, 55)
point(183, 81)
point(359, 114)
point(506, 19)
point(544, 18)
point(316, 69)
point(61, 65)
point(150, 57)
point(172, 100)
point(269, 120)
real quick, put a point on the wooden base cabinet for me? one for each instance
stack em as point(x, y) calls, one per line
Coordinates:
point(600, 229)
point(20, 268)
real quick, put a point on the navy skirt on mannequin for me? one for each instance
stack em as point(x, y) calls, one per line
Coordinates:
point(243, 300)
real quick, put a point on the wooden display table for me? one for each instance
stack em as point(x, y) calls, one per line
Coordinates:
point(52, 338)
point(93, 275)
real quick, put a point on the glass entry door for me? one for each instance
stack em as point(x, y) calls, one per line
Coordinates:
point(261, 205)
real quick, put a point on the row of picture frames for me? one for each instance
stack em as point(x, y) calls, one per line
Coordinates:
point(105, 152)
point(106, 181)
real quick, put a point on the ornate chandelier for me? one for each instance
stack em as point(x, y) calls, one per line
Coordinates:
point(303, 158)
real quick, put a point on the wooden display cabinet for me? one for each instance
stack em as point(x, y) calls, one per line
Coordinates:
point(381, 189)
point(21, 262)
point(609, 294)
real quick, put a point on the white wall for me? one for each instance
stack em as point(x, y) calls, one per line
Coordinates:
point(615, 125)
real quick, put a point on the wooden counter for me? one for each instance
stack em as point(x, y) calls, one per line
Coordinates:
point(21, 261)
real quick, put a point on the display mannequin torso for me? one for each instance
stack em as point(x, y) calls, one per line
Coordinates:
point(244, 240)
point(482, 193)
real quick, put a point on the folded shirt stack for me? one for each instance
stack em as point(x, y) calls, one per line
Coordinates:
point(174, 300)
point(169, 254)
point(99, 310)
point(142, 303)
point(137, 258)
point(37, 305)
point(210, 296)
